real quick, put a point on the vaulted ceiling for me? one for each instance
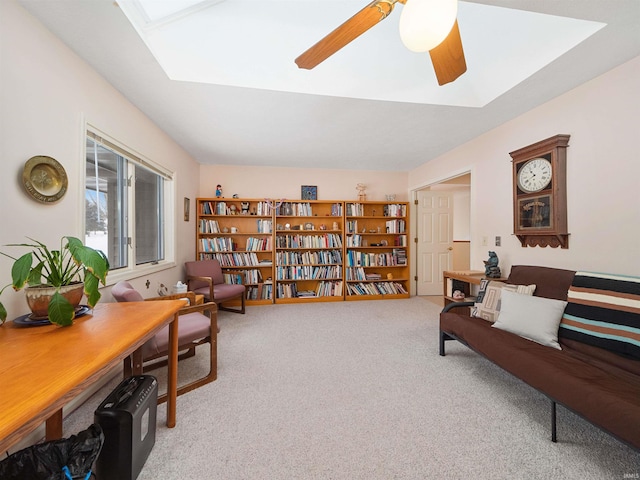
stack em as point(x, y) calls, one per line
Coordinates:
point(218, 75)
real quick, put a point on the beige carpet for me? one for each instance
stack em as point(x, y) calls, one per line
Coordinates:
point(357, 390)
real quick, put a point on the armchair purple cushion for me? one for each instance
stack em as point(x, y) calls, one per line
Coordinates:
point(205, 277)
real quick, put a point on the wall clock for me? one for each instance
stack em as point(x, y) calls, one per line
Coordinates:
point(540, 193)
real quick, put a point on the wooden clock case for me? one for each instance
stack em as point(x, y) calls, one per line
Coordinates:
point(540, 218)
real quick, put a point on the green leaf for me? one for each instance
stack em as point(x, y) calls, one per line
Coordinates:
point(20, 271)
point(3, 314)
point(35, 275)
point(93, 260)
point(91, 290)
point(61, 312)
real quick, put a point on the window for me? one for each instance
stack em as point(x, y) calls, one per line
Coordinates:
point(125, 205)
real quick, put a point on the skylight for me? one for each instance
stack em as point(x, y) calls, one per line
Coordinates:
point(253, 44)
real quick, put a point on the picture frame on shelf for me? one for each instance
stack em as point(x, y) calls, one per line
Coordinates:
point(309, 192)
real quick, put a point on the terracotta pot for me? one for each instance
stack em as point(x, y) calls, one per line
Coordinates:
point(38, 298)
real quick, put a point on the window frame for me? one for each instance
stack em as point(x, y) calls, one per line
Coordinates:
point(131, 270)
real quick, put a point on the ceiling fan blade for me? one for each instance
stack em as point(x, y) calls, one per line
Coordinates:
point(362, 21)
point(448, 57)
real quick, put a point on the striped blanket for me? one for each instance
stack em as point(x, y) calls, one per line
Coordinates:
point(604, 311)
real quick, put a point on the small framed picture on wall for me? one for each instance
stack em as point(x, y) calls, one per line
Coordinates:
point(309, 192)
point(186, 209)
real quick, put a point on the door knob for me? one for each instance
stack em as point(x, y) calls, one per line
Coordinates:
point(450, 248)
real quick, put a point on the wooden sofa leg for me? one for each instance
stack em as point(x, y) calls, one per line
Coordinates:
point(554, 435)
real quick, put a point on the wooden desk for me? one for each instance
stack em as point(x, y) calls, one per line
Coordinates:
point(42, 368)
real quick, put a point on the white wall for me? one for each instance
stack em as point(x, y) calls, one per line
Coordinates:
point(603, 170)
point(276, 182)
point(46, 95)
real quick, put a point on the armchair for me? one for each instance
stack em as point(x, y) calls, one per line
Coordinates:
point(194, 329)
point(205, 277)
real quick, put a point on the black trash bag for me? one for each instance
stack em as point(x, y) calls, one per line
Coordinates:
point(65, 459)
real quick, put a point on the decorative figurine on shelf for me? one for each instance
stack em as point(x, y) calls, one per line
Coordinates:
point(362, 196)
point(244, 208)
point(491, 269)
point(233, 210)
point(218, 191)
point(458, 295)
point(235, 195)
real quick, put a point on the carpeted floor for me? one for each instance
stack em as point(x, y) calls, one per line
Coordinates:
point(357, 390)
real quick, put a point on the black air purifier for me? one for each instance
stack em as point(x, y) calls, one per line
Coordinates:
point(128, 419)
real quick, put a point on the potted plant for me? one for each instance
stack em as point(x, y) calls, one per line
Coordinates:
point(66, 273)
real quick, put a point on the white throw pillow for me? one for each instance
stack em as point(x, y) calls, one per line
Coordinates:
point(534, 318)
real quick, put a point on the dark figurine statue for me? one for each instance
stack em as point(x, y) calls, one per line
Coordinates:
point(491, 269)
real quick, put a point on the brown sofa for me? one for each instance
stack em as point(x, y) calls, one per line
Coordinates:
point(596, 383)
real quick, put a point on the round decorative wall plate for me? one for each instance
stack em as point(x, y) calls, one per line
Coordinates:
point(44, 179)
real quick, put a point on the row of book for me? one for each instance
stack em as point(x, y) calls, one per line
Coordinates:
point(322, 257)
point(234, 259)
point(212, 226)
point(254, 244)
point(218, 244)
point(329, 289)
point(248, 277)
point(358, 273)
point(264, 225)
point(377, 288)
point(260, 292)
point(388, 210)
point(364, 259)
point(209, 226)
point(396, 226)
point(294, 209)
point(232, 208)
point(323, 289)
point(328, 240)
point(308, 272)
point(395, 210)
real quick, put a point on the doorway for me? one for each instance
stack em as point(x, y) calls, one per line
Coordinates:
point(443, 232)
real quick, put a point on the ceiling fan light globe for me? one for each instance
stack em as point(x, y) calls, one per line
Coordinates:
point(424, 24)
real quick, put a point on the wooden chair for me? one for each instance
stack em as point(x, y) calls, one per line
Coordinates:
point(194, 329)
point(205, 277)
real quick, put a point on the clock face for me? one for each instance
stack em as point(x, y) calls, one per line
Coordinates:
point(534, 175)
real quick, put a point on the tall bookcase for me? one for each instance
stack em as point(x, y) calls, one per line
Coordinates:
point(376, 250)
point(239, 234)
point(309, 250)
point(308, 261)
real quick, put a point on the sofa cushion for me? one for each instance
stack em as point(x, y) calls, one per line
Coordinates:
point(534, 318)
point(604, 311)
point(488, 303)
point(551, 282)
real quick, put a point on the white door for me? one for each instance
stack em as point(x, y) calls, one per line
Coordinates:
point(435, 240)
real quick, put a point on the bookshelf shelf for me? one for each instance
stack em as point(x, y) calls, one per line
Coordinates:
point(308, 251)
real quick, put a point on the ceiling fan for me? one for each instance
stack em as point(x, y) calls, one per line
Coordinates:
point(445, 49)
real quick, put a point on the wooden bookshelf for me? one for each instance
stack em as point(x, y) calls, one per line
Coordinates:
point(239, 234)
point(376, 250)
point(307, 250)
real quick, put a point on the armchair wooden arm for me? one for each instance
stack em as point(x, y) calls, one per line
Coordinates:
point(208, 280)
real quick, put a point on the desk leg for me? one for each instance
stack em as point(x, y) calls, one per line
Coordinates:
point(54, 426)
point(172, 381)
